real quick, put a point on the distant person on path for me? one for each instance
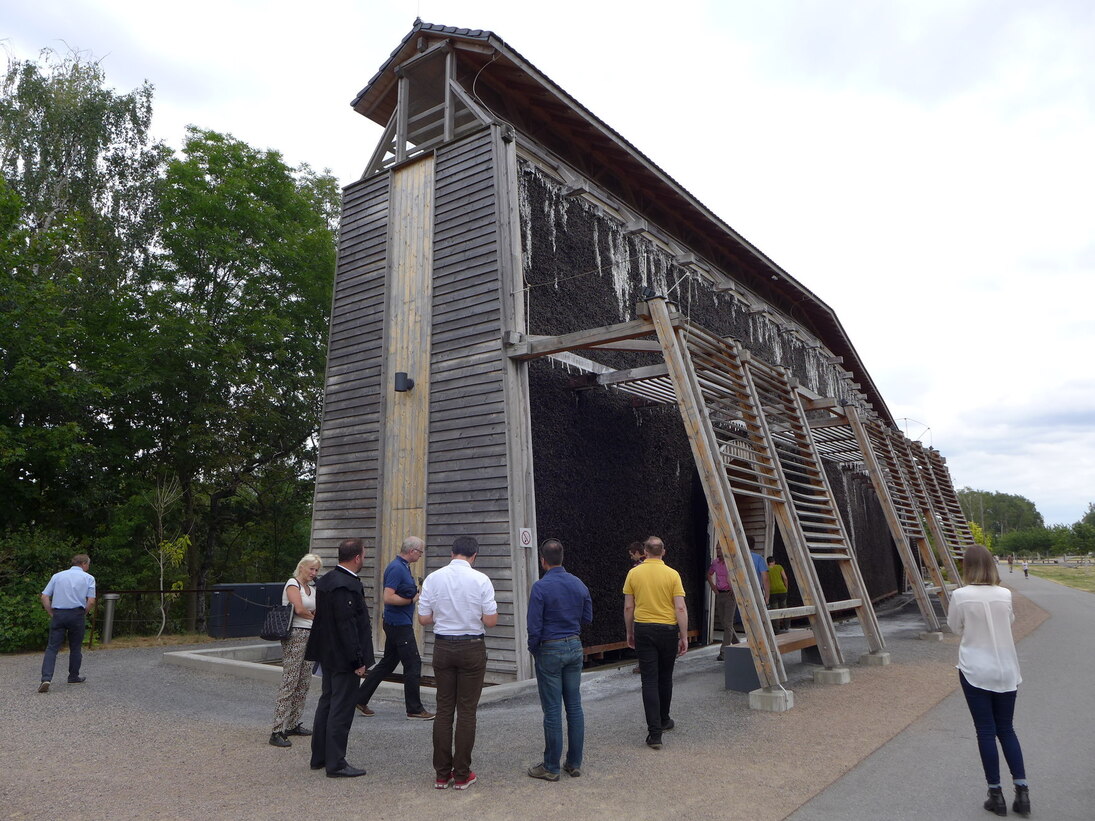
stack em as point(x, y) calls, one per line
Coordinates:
point(559, 605)
point(459, 602)
point(777, 585)
point(657, 629)
point(1011, 564)
point(718, 579)
point(400, 646)
point(988, 669)
point(296, 675)
point(68, 597)
point(1026, 569)
point(341, 641)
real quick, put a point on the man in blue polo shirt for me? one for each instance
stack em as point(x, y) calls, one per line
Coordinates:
point(558, 607)
point(400, 647)
point(67, 597)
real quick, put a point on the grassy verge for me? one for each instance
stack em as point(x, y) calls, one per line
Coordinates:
point(1082, 578)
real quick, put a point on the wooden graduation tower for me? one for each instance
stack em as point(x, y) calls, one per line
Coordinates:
point(537, 332)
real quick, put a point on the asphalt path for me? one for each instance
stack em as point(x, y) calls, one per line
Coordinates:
point(931, 770)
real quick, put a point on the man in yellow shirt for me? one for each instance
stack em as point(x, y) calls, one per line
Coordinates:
point(657, 629)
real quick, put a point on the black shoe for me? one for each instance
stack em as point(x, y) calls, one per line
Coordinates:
point(719, 657)
point(279, 740)
point(1021, 804)
point(300, 729)
point(77, 680)
point(996, 802)
point(346, 772)
point(668, 725)
point(43, 687)
point(654, 742)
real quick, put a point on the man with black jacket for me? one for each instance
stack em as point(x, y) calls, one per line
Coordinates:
point(341, 641)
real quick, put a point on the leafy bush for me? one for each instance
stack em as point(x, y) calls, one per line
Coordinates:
point(24, 624)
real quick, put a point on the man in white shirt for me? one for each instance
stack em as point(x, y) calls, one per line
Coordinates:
point(68, 597)
point(459, 602)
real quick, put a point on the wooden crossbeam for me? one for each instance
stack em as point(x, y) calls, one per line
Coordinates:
point(534, 347)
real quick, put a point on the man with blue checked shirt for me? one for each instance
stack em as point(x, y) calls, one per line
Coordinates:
point(68, 597)
point(558, 607)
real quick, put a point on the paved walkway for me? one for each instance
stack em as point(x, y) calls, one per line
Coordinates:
point(143, 739)
point(931, 770)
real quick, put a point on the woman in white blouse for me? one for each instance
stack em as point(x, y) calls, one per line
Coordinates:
point(300, 592)
point(988, 668)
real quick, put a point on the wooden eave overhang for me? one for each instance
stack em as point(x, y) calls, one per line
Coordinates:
point(520, 94)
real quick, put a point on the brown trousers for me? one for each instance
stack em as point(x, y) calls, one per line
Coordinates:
point(458, 669)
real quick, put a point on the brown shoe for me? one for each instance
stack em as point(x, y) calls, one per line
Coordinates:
point(365, 711)
point(425, 715)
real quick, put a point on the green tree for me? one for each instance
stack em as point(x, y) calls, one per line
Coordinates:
point(1089, 516)
point(239, 298)
point(77, 212)
point(999, 513)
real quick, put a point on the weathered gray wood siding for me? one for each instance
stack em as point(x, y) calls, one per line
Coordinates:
point(467, 489)
point(346, 472)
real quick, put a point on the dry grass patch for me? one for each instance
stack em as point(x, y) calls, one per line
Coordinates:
point(1081, 578)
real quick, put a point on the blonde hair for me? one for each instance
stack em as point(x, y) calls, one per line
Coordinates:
point(307, 560)
point(978, 566)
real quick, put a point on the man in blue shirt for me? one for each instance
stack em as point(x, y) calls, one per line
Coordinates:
point(558, 607)
point(400, 647)
point(67, 597)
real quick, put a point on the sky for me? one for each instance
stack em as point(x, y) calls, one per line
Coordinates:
point(926, 167)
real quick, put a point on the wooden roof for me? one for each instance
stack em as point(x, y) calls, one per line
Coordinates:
point(520, 94)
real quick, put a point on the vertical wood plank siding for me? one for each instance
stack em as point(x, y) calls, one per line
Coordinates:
point(347, 467)
point(467, 490)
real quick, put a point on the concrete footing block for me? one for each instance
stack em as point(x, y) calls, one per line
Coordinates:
point(771, 699)
point(833, 675)
point(931, 636)
point(877, 659)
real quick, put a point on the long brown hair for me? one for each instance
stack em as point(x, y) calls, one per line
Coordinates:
point(979, 567)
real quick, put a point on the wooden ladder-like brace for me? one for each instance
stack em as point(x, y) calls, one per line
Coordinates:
point(899, 509)
point(810, 514)
point(712, 409)
point(904, 452)
point(944, 501)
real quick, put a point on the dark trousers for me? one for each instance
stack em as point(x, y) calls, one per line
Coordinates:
point(64, 623)
point(459, 668)
point(777, 601)
point(399, 648)
point(334, 715)
point(725, 606)
point(656, 647)
point(992, 718)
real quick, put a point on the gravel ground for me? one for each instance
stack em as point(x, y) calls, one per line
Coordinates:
point(142, 739)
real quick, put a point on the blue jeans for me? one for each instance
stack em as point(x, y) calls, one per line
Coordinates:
point(992, 715)
point(64, 623)
point(559, 679)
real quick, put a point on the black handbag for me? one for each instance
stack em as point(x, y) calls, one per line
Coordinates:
point(278, 623)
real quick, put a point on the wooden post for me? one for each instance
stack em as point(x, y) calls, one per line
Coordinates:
point(404, 421)
point(522, 496)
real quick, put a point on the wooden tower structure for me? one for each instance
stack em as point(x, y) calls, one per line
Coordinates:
point(537, 332)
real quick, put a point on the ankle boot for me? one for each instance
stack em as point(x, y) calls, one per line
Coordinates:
point(1021, 805)
point(996, 802)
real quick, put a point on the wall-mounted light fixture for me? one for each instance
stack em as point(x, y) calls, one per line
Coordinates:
point(403, 382)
